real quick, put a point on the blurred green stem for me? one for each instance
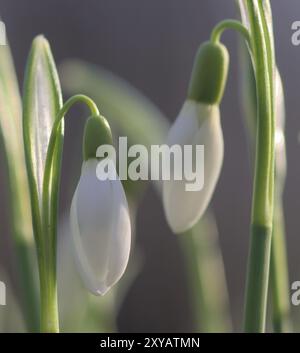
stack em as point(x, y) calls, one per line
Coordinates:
point(24, 250)
point(279, 282)
point(206, 277)
point(11, 133)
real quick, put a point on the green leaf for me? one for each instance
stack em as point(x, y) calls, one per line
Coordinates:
point(11, 133)
point(12, 137)
point(41, 103)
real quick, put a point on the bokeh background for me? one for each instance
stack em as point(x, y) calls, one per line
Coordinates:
point(152, 45)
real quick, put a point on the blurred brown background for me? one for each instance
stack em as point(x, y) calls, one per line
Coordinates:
point(152, 44)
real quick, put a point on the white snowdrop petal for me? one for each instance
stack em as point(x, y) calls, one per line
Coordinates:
point(101, 230)
point(121, 235)
point(185, 125)
point(184, 208)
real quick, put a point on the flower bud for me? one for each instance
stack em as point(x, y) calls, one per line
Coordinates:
point(209, 73)
point(96, 132)
point(197, 124)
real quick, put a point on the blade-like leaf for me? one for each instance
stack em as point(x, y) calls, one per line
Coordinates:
point(11, 133)
point(41, 104)
point(12, 136)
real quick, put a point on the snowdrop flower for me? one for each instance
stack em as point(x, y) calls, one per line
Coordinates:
point(198, 123)
point(100, 222)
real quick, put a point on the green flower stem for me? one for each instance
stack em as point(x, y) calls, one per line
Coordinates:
point(279, 282)
point(230, 24)
point(49, 307)
point(257, 279)
point(47, 246)
point(49, 159)
point(260, 47)
point(279, 267)
point(263, 189)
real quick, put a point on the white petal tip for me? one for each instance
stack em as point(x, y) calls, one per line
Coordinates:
point(100, 291)
point(180, 228)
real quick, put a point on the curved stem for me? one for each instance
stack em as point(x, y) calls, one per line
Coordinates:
point(51, 146)
point(263, 189)
point(230, 24)
point(49, 310)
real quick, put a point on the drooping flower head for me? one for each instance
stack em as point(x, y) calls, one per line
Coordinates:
point(198, 123)
point(100, 222)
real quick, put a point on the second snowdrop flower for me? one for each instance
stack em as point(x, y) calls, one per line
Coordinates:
point(198, 123)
